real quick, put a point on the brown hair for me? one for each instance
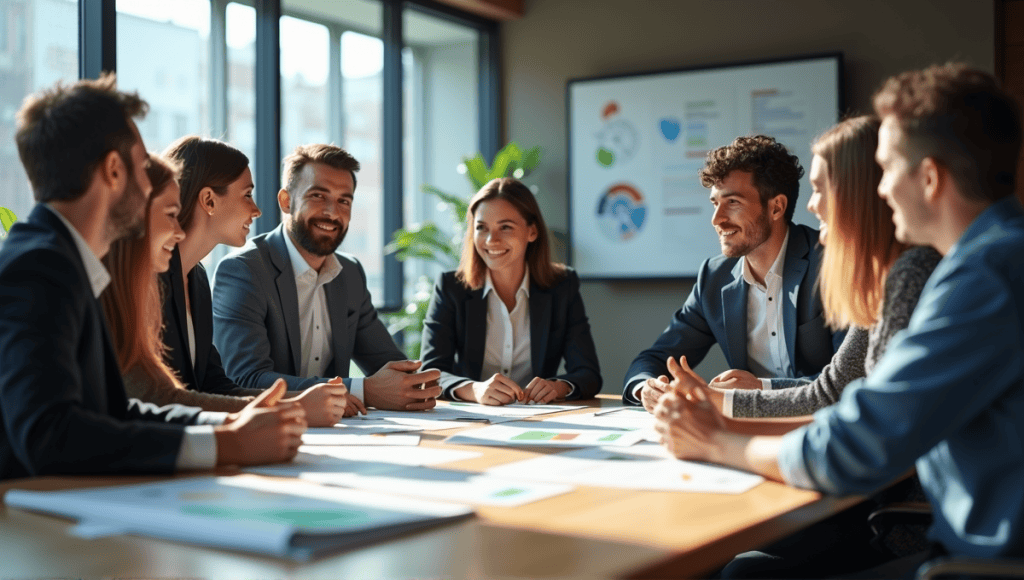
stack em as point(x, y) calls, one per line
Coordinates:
point(775, 171)
point(162, 171)
point(543, 272)
point(132, 301)
point(960, 117)
point(329, 155)
point(204, 163)
point(65, 132)
point(861, 245)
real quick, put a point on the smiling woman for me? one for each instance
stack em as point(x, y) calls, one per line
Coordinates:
point(499, 327)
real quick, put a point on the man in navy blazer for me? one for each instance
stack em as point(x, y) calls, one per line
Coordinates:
point(758, 299)
point(65, 410)
point(289, 306)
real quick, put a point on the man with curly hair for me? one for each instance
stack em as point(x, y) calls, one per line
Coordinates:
point(756, 300)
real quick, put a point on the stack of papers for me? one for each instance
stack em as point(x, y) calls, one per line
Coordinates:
point(285, 519)
point(544, 434)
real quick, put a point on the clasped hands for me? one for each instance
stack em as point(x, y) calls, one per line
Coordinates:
point(501, 390)
point(685, 417)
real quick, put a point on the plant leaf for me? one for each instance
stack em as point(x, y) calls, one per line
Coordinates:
point(7, 218)
point(476, 170)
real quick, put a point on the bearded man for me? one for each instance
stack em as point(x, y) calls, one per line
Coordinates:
point(289, 306)
point(758, 299)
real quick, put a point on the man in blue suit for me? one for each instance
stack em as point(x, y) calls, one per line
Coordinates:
point(948, 395)
point(288, 306)
point(758, 299)
point(64, 407)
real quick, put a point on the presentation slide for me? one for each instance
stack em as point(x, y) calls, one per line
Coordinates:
point(637, 207)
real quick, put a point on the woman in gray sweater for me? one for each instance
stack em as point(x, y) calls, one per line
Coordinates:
point(869, 282)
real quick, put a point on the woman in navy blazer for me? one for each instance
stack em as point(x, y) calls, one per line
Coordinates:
point(506, 283)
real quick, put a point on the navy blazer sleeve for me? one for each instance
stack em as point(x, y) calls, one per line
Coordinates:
point(64, 410)
point(689, 334)
point(581, 366)
point(442, 339)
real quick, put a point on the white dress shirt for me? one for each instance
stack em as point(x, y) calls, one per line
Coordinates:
point(199, 445)
point(314, 319)
point(507, 346)
point(767, 355)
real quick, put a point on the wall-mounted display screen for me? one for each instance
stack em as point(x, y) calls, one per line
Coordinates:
point(637, 208)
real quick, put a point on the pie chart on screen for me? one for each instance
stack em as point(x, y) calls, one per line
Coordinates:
point(621, 212)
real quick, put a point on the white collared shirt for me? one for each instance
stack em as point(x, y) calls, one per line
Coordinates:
point(316, 334)
point(507, 346)
point(767, 355)
point(199, 445)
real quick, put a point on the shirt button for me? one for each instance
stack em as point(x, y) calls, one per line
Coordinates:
point(316, 358)
point(769, 299)
point(773, 334)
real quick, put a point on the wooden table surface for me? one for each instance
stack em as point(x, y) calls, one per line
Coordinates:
point(592, 532)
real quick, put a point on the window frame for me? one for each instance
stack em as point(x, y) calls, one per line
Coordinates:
point(97, 41)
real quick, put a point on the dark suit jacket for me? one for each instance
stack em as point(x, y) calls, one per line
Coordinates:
point(716, 312)
point(256, 318)
point(208, 374)
point(64, 409)
point(455, 332)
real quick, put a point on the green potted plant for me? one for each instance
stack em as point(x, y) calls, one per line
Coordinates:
point(430, 243)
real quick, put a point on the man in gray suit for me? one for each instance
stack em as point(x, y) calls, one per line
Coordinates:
point(289, 306)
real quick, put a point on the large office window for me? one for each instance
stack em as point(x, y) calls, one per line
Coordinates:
point(406, 86)
point(441, 101)
point(38, 47)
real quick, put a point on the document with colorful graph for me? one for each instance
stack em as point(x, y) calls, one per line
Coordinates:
point(645, 466)
point(537, 435)
point(287, 519)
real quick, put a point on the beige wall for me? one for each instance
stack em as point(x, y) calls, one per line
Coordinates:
point(562, 39)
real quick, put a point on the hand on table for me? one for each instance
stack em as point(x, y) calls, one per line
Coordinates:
point(354, 406)
point(542, 391)
point(736, 379)
point(497, 390)
point(652, 390)
point(398, 387)
point(685, 417)
point(267, 430)
point(324, 403)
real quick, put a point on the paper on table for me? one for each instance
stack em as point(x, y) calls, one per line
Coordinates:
point(446, 485)
point(359, 439)
point(537, 434)
point(514, 411)
point(644, 466)
point(339, 459)
point(627, 419)
point(286, 519)
point(376, 422)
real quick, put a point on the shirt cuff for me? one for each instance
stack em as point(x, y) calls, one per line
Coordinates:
point(637, 388)
point(791, 460)
point(355, 388)
point(727, 402)
point(572, 388)
point(198, 448)
point(766, 384)
point(211, 418)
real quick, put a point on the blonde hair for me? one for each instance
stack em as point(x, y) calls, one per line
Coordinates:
point(861, 242)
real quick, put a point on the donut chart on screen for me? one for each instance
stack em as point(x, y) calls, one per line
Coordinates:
point(621, 212)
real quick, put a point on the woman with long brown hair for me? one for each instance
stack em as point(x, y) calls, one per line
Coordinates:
point(499, 326)
point(217, 207)
point(132, 301)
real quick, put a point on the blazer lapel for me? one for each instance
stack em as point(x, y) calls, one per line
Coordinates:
point(336, 295)
point(540, 328)
point(792, 274)
point(476, 333)
point(287, 296)
point(180, 322)
point(734, 304)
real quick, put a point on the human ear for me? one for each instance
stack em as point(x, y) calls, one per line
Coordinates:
point(931, 176)
point(779, 204)
point(207, 200)
point(284, 201)
point(532, 234)
point(112, 169)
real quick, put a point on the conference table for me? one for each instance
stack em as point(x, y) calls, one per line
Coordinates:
point(591, 532)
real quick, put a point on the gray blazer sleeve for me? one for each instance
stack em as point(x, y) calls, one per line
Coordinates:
point(846, 365)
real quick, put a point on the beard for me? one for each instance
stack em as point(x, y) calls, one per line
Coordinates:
point(756, 234)
point(317, 242)
point(127, 216)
